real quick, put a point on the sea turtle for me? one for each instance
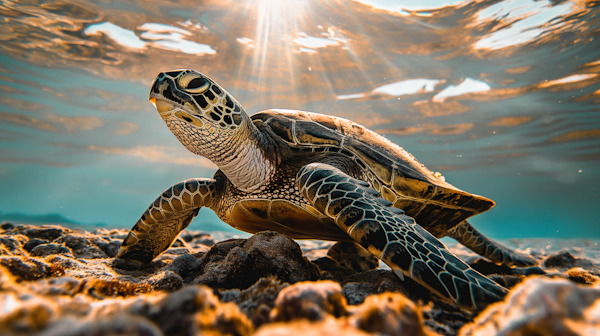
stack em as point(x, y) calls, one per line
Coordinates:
point(313, 176)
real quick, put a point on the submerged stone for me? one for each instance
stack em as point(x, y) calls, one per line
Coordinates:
point(390, 314)
point(564, 259)
point(69, 285)
point(240, 263)
point(542, 306)
point(314, 301)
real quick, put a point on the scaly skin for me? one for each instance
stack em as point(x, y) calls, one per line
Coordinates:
point(165, 218)
point(477, 242)
point(394, 237)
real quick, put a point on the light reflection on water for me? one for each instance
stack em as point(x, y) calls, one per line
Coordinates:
point(502, 97)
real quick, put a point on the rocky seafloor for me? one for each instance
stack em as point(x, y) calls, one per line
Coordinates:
point(60, 281)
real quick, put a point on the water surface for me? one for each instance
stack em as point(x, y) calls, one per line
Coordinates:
point(501, 97)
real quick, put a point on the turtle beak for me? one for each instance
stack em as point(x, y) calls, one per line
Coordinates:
point(161, 105)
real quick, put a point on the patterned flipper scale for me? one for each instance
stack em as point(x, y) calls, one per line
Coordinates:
point(394, 237)
point(477, 242)
point(165, 218)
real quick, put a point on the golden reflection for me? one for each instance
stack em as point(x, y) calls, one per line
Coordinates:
point(36, 161)
point(158, 154)
point(572, 82)
point(509, 121)
point(23, 105)
point(506, 81)
point(595, 94)
point(126, 128)
point(592, 63)
point(509, 155)
point(576, 135)
point(366, 118)
point(107, 95)
point(518, 70)
point(77, 123)
point(435, 109)
point(514, 24)
point(408, 130)
point(7, 88)
point(27, 121)
point(281, 53)
point(336, 57)
point(431, 128)
point(451, 129)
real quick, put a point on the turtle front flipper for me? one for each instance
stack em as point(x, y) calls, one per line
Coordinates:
point(467, 235)
point(394, 237)
point(165, 218)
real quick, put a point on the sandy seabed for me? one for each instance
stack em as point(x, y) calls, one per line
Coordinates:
point(60, 281)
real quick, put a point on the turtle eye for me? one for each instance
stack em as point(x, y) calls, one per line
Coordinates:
point(197, 85)
point(193, 83)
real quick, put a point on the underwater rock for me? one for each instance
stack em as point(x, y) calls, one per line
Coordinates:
point(328, 327)
point(542, 306)
point(583, 276)
point(564, 259)
point(42, 250)
point(33, 242)
point(26, 268)
point(239, 263)
point(357, 287)
point(390, 314)
point(84, 246)
point(344, 259)
point(197, 238)
point(257, 300)
point(234, 263)
point(189, 311)
point(121, 325)
point(59, 281)
point(7, 226)
point(506, 281)
point(313, 301)
point(47, 232)
point(439, 314)
point(353, 256)
point(26, 316)
point(13, 245)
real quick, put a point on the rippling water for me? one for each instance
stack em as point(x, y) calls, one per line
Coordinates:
point(501, 97)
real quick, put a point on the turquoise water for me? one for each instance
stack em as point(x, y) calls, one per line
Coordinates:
point(501, 97)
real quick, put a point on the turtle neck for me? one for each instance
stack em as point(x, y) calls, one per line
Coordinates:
point(245, 164)
point(239, 154)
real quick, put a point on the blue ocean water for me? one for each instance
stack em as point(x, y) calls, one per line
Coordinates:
point(501, 97)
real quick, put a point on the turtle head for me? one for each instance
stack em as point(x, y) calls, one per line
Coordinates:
point(208, 121)
point(200, 113)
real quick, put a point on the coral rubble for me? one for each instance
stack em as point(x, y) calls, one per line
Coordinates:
point(60, 281)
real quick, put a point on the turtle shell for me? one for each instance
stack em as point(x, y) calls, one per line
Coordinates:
point(435, 204)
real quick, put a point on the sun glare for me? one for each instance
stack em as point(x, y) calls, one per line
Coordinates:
point(289, 40)
point(276, 22)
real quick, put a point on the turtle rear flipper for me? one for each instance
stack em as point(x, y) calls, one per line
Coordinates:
point(165, 218)
point(394, 237)
point(467, 235)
